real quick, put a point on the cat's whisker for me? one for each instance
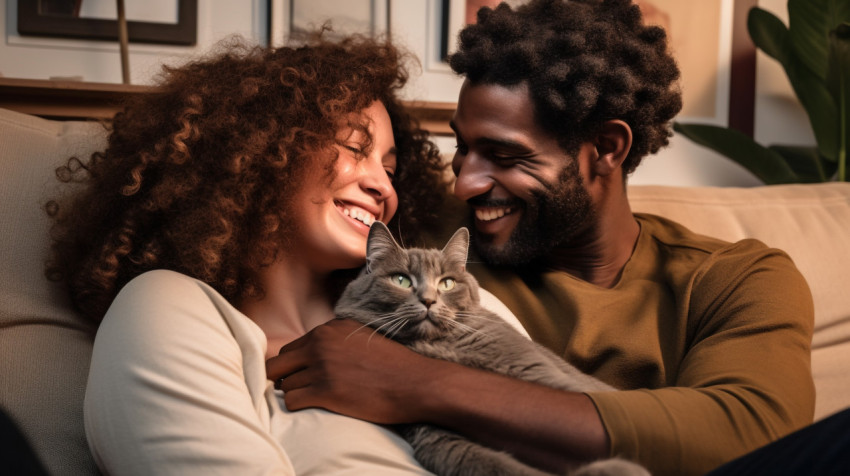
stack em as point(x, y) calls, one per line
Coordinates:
point(391, 322)
point(380, 318)
point(472, 316)
point(466, 327)
point(398, 327)
point(469, 329)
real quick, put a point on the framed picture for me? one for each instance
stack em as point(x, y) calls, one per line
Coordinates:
point(456, 14)
point(716, 57)
point(708, 39)
point(67, 19)
point(699, 35)
point(290, 20)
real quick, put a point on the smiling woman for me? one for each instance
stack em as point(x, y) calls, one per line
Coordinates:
point(229, 208)
point(336, 216)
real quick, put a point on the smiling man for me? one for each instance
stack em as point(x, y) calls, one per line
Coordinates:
point(524, 189)
point(561, 102)
point(708, 340)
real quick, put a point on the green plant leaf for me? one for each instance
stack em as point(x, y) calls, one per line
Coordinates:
point(838, 80)
point(809, 24)
point(805, 162)
point(769, 34)
point(769, 166)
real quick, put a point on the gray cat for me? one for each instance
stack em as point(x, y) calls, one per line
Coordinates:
point(425, 299)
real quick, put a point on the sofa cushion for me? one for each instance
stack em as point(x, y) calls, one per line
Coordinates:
point(809, 222)
point(45, 347)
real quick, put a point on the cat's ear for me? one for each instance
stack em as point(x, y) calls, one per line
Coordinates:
point(379, 244)
point(457, 249)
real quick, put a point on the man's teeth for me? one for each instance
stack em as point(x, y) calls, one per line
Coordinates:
point(489, 214)
point(360, 215)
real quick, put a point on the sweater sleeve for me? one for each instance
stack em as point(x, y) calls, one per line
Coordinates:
point(169, 391)
point(745, 376)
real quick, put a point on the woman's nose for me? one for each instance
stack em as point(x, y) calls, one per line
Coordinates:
point(473, 176)
point(375, 180)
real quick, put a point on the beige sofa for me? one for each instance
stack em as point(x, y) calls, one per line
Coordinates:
point(45, 347)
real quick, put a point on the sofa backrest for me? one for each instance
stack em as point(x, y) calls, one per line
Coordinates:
point(809, 222)
point(45, 347)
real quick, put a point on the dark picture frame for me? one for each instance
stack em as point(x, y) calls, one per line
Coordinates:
point(32, 22)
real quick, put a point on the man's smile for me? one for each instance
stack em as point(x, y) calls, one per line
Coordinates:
point(492, 213)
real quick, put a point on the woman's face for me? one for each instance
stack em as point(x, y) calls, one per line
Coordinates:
point(333, 217)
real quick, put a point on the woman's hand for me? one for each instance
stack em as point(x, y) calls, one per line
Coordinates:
point(345, 367)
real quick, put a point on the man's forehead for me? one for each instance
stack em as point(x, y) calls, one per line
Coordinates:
point(497, 111)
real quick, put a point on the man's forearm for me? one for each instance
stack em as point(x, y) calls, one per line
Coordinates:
point(343, 368)
point(549, 428)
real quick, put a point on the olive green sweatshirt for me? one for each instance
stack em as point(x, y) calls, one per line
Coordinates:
point(709, 340)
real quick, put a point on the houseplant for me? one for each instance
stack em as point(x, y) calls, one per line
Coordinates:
point(814, 51)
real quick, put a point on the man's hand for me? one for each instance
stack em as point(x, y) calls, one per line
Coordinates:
point(345, 367)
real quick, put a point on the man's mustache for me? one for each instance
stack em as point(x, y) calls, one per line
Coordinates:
point(482, 201)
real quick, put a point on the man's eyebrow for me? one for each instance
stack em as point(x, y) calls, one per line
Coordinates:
point(489, 141)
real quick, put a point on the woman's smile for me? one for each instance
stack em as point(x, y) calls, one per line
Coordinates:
point(360, 216)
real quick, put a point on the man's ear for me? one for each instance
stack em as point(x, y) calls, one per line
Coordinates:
point(613, 143)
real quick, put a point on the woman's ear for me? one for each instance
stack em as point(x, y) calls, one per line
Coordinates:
point(613, 143)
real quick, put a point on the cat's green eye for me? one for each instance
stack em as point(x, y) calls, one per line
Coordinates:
point(401, 280)
point(447, 284)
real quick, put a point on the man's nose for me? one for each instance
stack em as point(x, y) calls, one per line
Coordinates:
point(473, 174)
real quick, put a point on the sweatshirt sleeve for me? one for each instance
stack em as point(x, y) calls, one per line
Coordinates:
point(172, 391)
point(745, 378)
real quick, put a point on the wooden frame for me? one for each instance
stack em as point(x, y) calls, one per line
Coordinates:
point(100, 101)
point(32, 22)
point(742, 75)
point(455, 14)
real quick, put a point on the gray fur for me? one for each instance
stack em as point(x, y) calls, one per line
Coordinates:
point(455, 328)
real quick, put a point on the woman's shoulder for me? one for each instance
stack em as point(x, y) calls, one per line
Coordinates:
point(167, 301)
point(165, 288)
point(490, 302)
point(173, 314)
point(161, 281)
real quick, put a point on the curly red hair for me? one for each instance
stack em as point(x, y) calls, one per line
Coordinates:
point(197, 175)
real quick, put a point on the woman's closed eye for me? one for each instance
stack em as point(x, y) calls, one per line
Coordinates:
point(356, 149)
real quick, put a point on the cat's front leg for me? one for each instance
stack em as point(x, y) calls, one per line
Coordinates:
point(448, 454)
point(611, 467)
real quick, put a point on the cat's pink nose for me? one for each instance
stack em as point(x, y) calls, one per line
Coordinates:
point(427, 303)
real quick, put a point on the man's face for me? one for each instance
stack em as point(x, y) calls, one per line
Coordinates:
point(526, 192)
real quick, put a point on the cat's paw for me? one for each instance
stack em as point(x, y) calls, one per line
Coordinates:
point(611, 467)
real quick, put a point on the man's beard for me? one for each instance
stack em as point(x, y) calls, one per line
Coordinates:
point(554, 216)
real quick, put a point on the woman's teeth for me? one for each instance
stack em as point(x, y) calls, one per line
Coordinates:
point(360, 215)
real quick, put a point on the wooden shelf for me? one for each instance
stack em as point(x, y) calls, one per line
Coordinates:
point(83, 100)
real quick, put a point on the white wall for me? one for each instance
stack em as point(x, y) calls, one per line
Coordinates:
point(99, 61)
point(779, 117)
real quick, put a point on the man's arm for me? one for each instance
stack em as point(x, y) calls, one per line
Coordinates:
point(345, 368)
